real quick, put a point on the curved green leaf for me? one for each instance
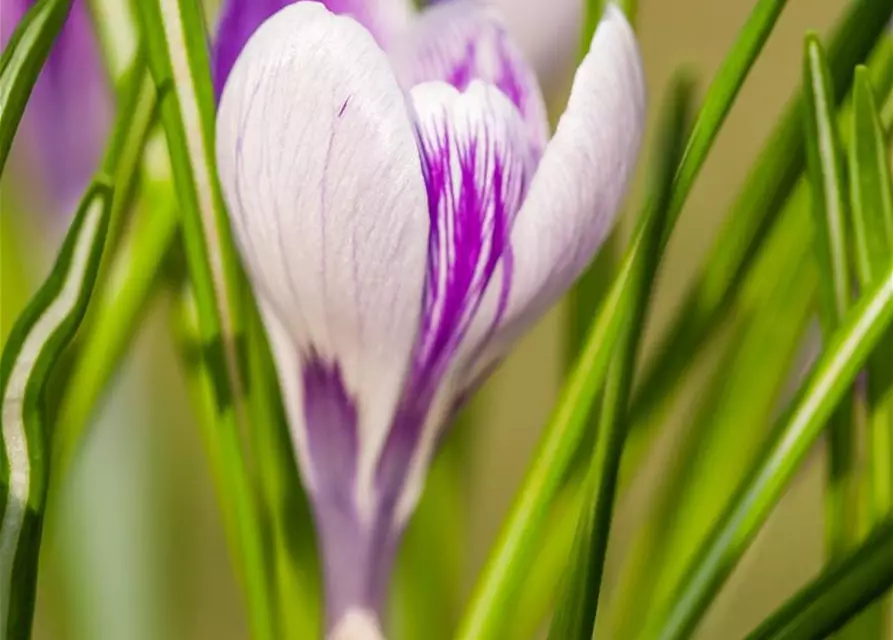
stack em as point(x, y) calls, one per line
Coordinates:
point(35, 343)
point(795, 432)
point(575, 615)
point(840, 592)
point(22, 60)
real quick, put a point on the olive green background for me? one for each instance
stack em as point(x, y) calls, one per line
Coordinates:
point(143, 556)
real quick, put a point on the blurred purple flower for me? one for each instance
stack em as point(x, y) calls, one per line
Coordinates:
point(63, 132)
point(404, 218)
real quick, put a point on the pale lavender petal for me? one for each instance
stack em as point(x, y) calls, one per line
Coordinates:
point(320, 168)
point(67, 119)
point(477, 163)
point(578, 188)
point(465, 40)
point(239, 19)
point(549, 35)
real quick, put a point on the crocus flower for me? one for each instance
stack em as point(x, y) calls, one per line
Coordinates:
point(62, 135)
point(403, 219)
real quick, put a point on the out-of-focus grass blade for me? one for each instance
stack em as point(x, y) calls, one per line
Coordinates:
point(872, 223)
point(727, 433)
point(134, 275)
point(795, 432)
point(21, 62)
point(840, 592)
point(575, 615)
point(762, 197)
point(872, 209)
point(35, 343)
point(825, 168)
point(492, 602)
point(175, 38)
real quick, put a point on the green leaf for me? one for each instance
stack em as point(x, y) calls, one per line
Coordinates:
point(872, 208)
point(727, 432)
point(575, 615)
point(795, 432)
point(763, 195)
point(134, 276)
point(840, 592)
point(178, 58)
point(492, 602)
point(34, 345)
point(23, 58)
point(825, 168)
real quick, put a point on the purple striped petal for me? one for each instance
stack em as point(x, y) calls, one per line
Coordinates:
point(239, 19)
point(67, 120)
point(477, 162)
point(320, 168)
point(577, 190)
point(465, 40)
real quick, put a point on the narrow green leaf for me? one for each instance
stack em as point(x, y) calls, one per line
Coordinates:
point(512, 555)
point(727, 433)
point(178, 58)
point(35, 343)
point(752, 216)
point(575, 616)
point(825, 169)
point(872, 207)
point(840, 592)
point(795, 432)
point(24, 57)
point(134, 276)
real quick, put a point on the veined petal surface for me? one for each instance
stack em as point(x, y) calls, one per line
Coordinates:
point(320, 168)
point(239, 19)
point(460, 41)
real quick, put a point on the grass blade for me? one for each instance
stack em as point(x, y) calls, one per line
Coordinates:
point(575, 616)
point(825, 169)
point(796, 431)
point(178, 58)
point(515, 548)
point(724, 440)
point(24, 57)
point(763, 195)
point(34, 345)
point(872, 208)
point(840, 592)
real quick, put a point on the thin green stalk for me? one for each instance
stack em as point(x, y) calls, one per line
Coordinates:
point(872, 223)
point(830, 212)
point(872, 208)
point(762, 197)
point(795, 432)
point(175, 38)
point(133, 278)
point(23, 58)
point(838, 594)
point(575, 615)
point(37, 340)
point(727, 433)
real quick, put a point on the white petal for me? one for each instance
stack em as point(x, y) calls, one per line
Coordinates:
point(320, 168)
point(459, 41)
point(577, 191)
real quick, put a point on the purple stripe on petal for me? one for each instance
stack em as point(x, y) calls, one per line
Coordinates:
point(464, 40)
point(476, 162)
point(68, 115)
point(357, 556)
